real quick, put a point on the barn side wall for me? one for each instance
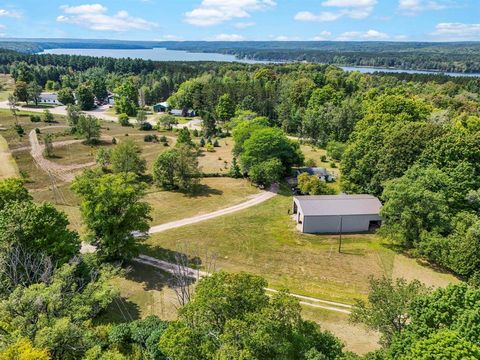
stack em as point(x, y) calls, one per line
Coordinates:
point(331, 224)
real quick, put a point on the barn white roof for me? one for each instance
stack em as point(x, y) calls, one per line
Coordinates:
point(331, 205)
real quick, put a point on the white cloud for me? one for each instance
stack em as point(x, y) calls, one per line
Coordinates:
point(214, 12)
point(363, 35)
point(322, 17)
point(244, 25)
point(413, 7)
point(285, 38)
point(10, 13)
point(349, 3)
point(324, 35)
point(457, 31)
point(227, 37)
point(95, 17)
point(354, 9)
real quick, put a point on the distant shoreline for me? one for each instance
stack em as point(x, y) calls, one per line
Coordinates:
point(156, 53)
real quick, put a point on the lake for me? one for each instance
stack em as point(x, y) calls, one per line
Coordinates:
point(157, 54)
point(162, 54)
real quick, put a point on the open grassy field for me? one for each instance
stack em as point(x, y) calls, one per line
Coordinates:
point(8, 166)
point(144, 291)
point(214, 194)
point(6, 86)
point(263, 240)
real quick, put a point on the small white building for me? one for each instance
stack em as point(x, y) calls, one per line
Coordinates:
point(333, 214)
point(49, 98)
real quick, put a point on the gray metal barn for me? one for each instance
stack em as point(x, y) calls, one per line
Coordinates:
point(337, 213)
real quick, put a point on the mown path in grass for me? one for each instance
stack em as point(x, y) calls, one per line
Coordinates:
point(8, 166)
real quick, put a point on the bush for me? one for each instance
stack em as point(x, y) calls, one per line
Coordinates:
point(123, 120)
point(195, 133)
point(216, 144)
point(37, 130)
point(310, 163)
point(19, 129)
point(323, 158)
point(202, 142)
point(209, 148)
point(150, 138)
point(163, 139)
point(333, 164)
point(336, 149)
point(146, 126)
point(48, 116)
point(114, 141)
point(35, 118)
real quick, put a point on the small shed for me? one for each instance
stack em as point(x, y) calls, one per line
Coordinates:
point(332, 214)
point(161, 107)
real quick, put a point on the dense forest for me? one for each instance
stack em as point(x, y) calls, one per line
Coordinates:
point(411, 140)
point(460, 57)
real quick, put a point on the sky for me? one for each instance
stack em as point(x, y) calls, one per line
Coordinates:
point(385, 20)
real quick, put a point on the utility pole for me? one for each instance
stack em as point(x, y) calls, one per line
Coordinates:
point(341, 228)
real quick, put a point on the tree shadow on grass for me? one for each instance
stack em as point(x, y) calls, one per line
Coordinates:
point(151, 277)
point(119, 311)
point(202, 190)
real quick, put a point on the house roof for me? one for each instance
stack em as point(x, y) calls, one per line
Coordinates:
point(324, 205)
point(162, 104)
point(48, 96)
point(318, 171)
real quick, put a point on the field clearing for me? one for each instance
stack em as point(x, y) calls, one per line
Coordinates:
point(356, 337)
point(214, 194)
point(8, 166)
point(144, 291)
point(263, 240)
point(7, 86)
point(218, 161)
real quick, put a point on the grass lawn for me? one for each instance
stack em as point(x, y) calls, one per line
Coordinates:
point(218, 161)
point(8, 166)
point(214, 194)
point(7, 85)
point(144, 291)
point(263, 240)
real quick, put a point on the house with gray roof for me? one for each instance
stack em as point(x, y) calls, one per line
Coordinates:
point(337, 213)
point(49, 98)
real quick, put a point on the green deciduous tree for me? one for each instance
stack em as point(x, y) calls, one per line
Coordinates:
point(85, 97)
point(267, 172)
point(388, 307)
point(268, 143)
point(126, 157)
point(126, 98)
point(39, 228)
point(184, 137)
point(312, 185)
point(231, 317)
point(34, 92)
point(225, 108)
point(65, 96)
point(12, 190)
point(177, 169)
point(89, 127)
point(112, 211)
